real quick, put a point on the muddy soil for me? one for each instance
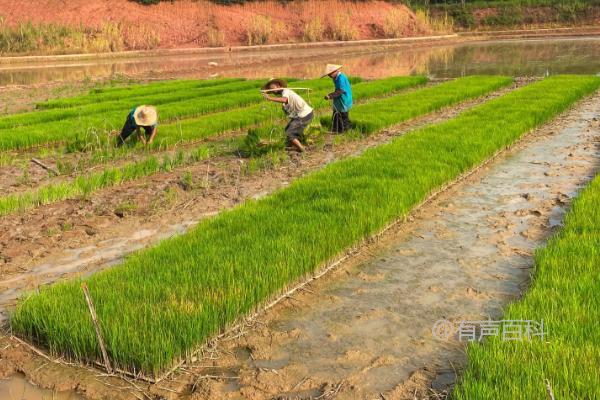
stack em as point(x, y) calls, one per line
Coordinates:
point(365, 329)
point(81, 236)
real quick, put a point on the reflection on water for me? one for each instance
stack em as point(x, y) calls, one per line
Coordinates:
point(511, 57)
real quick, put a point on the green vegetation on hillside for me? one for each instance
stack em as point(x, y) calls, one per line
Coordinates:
point(472, 14)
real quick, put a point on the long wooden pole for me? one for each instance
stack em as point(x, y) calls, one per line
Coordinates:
point(291, 88)
point(47, 168)
point(88, 298)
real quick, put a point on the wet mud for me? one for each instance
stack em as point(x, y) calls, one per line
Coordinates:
point(365, 329)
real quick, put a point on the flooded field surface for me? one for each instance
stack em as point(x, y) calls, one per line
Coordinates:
point(510, 57)
point(19, 388)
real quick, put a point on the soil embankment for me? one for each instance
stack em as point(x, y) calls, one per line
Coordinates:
point(127, 25)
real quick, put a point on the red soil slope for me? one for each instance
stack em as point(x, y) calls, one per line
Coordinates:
point(186, 23)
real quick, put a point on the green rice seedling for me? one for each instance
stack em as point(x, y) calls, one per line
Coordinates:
point(71, 127)
point(254, 143)
point(86, 184)
point(101, 95)
point(190, 97)
point(236, 119)
point(375, 115)
point(165, 301)
point(186, 181)
point(564, 294)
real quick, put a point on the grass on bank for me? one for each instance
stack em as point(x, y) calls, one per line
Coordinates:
point(564, 294)
point(165, 301)
point(111, 176)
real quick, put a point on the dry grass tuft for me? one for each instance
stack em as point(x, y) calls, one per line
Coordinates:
point(341, 28)
point(214, 37)
point(259, 30)
point(314, 31)
point(443, 24)
point(396, 23)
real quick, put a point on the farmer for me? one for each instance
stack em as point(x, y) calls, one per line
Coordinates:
point(342, 98)
point(297, 110)
point(140, 117)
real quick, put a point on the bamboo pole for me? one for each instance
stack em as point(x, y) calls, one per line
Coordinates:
point(278, 89)
point(47, 168)
point(88, 298)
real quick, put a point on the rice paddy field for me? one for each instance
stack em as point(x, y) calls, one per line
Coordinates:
point(263, 221)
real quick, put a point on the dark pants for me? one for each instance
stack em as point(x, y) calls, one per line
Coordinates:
point(340, 122)
point(128, 129)
point(295, 128)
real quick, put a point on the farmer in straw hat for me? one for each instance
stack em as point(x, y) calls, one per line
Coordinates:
point(140, 117)
point(299, 112)
point(342, 98)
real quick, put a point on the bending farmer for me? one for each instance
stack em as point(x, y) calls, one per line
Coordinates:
point(299, 112)
point(342, 98)
point(140, 117)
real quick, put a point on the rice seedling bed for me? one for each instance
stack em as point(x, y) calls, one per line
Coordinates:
point(216, 123)
point(100, 95)
point(100, 108)
point(164, 302)
point(373, 116)
point(86, 184)
point(564, 294)
point(70, 125)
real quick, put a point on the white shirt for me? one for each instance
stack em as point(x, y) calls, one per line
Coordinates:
point(296, 107)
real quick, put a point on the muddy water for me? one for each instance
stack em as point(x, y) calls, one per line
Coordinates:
point(511, 57)
point(369, 327)
point(18, 388)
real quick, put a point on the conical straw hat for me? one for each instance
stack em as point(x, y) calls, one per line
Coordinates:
point(331, 68)
point(145, 115)
point(279, 82)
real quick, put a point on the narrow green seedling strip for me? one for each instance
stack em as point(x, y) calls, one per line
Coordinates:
point(96, 125)
point(96, 122)
point(564, 294)
point(213, 124)
point(101, 95)
point(99, 110)
point(374, 116)
point(178, 104)
point(112, 176)
point(165, 301)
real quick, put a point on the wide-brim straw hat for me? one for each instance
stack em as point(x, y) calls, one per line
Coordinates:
point(331, 68)
point(277, 81)
point(145, 115)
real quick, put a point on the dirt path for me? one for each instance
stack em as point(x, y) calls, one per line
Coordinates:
point(365, 329)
